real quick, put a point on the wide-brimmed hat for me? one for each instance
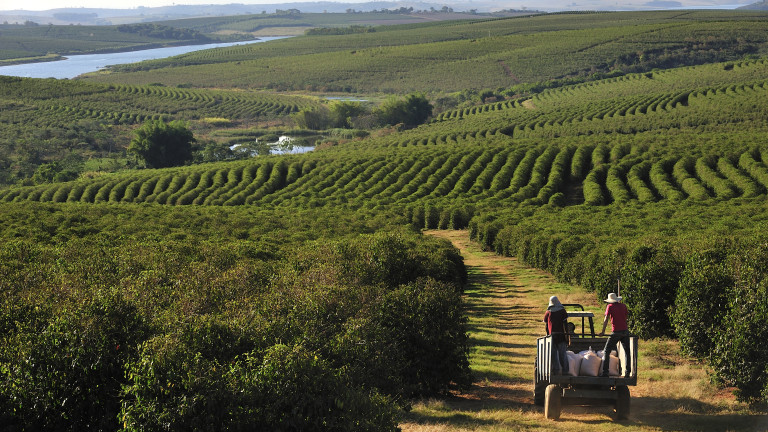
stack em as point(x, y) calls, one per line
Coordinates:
point(612, 298)
point(554, 303)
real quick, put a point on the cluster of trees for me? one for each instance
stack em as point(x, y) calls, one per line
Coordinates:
point(327, 31)
point(410, 111)
point(163, 32)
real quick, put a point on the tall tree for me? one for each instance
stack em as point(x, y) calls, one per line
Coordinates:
point(160, 145)
point(414, 110)
point(343, 112)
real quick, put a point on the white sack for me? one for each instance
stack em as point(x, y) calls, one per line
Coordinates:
point(613, 366)
point(590, 364)
point(574, 363)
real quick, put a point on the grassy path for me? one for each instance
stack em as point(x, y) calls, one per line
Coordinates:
point(506, 302)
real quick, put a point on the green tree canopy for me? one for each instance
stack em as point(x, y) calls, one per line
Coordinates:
point(414, 110)
point(343, 112)
point(312, 118)
point(53, 172)
point(160, 145)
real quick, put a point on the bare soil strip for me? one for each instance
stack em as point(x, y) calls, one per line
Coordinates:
point(505, 305)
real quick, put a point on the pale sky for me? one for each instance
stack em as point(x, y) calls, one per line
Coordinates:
point(115, 4)
point(543, 4)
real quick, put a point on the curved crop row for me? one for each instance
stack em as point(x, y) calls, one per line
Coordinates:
point(688, 183)
point(660, 180)
point(722, 187)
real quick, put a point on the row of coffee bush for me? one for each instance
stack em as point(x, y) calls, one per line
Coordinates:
point(693, 271)
point(143, 328)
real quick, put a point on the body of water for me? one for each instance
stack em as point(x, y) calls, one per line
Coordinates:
point(76, 65)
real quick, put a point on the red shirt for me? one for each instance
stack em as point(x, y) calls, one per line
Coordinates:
point(555, 324)
point(618, 313)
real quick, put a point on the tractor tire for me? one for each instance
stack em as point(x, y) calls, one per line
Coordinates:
point(553, 402)
point(622, 402)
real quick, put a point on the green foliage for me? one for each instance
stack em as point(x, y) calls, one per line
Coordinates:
point(414, 110)
point(278, 388)
point(720, 317)
point(162, 32)
point(702, 301)
point(519, 55)
point(225, 318)
point(649, 281)
point(343, 113)
point(317, 118)
point(63, 369)
point(53, 173)
point(161, 145)
point(744, 327)
point(339, 30)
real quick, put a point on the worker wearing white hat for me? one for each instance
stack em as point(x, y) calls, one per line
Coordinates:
point(617, 311)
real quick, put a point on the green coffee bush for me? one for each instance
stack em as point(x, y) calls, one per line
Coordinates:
point(740, 354)
point(649, 280)
point(64, 370)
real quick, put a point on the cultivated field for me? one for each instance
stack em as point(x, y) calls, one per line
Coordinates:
point(298, 292)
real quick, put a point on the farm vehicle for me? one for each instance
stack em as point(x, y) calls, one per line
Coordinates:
point(555, 391)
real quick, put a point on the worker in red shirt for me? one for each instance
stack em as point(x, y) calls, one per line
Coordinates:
point(556, 319)
point(617, 311)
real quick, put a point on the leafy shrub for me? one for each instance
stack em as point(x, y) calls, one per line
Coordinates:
point(701, 302)
point(413, 110)
point(281, 388)
point(650, 277)
point(740, 353)
point(424, 320)
point(64, 370)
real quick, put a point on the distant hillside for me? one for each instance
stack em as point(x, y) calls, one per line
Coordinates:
point(453, 56)
point(106, 16)
point(763, 5)
point(31, 42)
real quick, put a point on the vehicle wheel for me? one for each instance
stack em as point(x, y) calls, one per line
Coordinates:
point(622, 402)
point(539, 388)
point(553, 402)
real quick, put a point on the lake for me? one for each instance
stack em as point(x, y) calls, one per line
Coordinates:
point(76, 65)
